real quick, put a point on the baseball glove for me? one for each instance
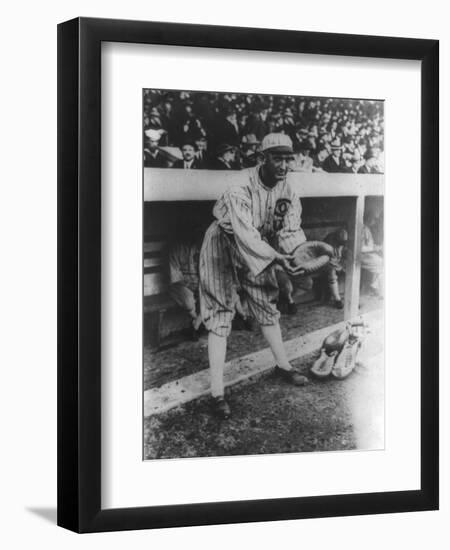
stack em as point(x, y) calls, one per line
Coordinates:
point(311, 256)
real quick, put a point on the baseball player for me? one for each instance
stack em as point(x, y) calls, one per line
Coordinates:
point(252, 222)
point(371, 259)
point(183, 265)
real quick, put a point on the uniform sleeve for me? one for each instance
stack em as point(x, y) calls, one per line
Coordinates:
point(257, 253)
point(291, 234)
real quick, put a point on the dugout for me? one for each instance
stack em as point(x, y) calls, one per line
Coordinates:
point(178, 206)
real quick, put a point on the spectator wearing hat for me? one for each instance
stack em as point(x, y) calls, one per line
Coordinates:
point(303, 161)
point(319, 159)
point(289, 122)
point(257, 122)
point(334, 163)
point(225, 159)
point(201, 145)
point(370, 164)
point(189, 161)
point(249, 148)
point(356, 161)
point(152, 155)
point(311, 140)
point(359, 124)
point(184, 122)
point(301, 134)
point(227, 129)
point(155, 119)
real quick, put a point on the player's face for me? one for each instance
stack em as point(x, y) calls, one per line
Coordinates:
point(188, 152)
point(277, 166)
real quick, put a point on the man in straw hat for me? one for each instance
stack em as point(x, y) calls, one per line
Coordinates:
point(252, 222)
point(334, 162)
point(152, 155)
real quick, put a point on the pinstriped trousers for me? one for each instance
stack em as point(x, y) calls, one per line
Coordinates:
point(222, 272)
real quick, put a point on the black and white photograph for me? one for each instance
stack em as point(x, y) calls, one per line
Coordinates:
point(263, 274)
point(226, 254)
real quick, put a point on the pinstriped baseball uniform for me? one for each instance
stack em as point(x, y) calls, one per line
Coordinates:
point(251, 221)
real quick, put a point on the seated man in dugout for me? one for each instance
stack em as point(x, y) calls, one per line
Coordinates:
point(324, 283)
point(330, 281)
point(371, 257)
point(184, 283)
point(371, 261)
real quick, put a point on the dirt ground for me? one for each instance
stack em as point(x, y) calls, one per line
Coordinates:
point(180, 357)
point(271, 416)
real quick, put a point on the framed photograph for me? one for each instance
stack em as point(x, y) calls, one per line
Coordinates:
point(247, 275)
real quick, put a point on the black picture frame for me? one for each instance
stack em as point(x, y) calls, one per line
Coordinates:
point(79, 274)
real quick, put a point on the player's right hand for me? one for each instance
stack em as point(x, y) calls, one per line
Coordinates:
point(284, 260)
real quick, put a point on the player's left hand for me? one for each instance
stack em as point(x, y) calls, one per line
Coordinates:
point(310, 257)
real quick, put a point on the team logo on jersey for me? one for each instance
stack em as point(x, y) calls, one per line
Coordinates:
point(281, 207)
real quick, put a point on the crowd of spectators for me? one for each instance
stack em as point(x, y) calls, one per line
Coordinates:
point(223, 131)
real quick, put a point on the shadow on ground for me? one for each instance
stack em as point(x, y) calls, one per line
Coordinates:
point(48, 514)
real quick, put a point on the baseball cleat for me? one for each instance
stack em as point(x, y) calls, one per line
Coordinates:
point(323, 365)
point(346, 360)
point(221, 408)
point(291, 376)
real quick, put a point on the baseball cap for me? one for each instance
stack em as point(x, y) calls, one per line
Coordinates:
point(277, 143)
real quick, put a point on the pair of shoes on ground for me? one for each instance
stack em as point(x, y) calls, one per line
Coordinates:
point(338, 304)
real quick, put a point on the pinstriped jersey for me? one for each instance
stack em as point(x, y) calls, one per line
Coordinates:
point(261, 219)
